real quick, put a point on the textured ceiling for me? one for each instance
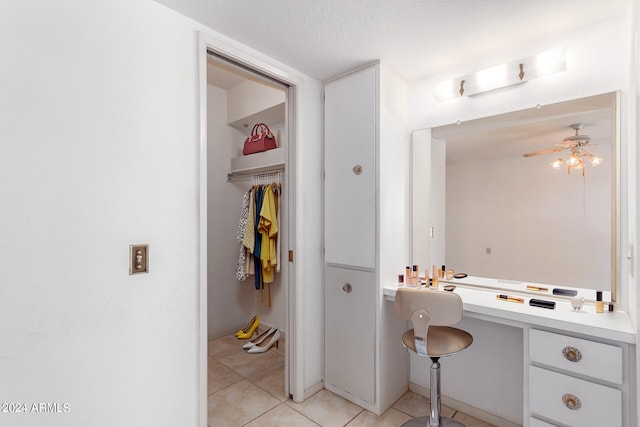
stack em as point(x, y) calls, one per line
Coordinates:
point(324, 38)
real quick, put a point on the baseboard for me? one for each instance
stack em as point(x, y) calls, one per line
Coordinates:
point(467, 409)
point(313, 389)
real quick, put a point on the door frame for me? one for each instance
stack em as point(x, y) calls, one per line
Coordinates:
point(252, 60)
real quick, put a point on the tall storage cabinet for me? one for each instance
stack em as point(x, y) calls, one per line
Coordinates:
point(365, 142)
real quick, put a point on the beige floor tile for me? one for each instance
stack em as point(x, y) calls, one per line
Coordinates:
point(470, 421)
point(282, 416)
point(247, 364)
point(418, 406)
point(391, 418)
point(238, 404)
point(219, 376)
point(413, 404)
point(224, 346)
point(327, 409)
point(272, 381)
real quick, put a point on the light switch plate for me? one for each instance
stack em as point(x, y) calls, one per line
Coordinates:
point(138, 259)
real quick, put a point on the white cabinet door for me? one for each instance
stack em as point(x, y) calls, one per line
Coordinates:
point(350, 332)
point(350, 169)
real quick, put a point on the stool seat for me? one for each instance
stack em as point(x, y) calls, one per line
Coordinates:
point(441, 340)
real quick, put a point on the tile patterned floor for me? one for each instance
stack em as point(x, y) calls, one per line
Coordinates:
point(248, 390)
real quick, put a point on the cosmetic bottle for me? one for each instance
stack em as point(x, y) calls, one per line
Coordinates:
point(434, 283)
point(599, 303)
point(400, 280)
point(414, 276)
point(441, 272)
point(449, 275)
point(407, 275)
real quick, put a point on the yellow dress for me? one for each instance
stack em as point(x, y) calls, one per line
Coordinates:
point(268, 229)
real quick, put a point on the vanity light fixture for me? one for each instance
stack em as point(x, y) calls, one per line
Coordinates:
point(502, 76)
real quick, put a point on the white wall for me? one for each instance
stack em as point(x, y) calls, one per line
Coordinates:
point(99, 150)
point(249, 97)
point(392, 254)
point(230, 302)
point(505, 205)
point(308, 241)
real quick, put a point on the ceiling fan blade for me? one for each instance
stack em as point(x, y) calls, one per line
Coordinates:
point(547, 151)
point(578, 138)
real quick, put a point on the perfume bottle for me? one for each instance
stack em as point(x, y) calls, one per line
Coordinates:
point(599, 303)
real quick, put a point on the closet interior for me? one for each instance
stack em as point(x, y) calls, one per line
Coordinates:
point(241, 285)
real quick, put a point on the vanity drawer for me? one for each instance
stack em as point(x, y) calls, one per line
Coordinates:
point(594, 359)
point(551, 394)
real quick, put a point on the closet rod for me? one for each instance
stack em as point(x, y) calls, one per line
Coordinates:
point(234, 176)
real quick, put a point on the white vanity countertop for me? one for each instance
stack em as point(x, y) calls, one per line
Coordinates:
point(479, 298)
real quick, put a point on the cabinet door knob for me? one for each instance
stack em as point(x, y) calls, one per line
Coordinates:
point(357, 169)
point(571, 401)
point(572, 354)
point(347, 288)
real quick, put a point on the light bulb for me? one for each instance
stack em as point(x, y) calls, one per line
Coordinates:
point(557, 164)
point(595, 160)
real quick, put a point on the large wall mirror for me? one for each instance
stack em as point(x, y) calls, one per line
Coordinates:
point(510, 214)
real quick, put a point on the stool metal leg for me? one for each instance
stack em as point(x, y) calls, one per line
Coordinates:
point(434, 380)
point(434, 419)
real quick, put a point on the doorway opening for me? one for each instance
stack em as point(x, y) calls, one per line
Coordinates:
point(238, 99)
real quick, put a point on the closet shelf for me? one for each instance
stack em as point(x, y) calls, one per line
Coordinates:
point(269, 116)
point(258, 162)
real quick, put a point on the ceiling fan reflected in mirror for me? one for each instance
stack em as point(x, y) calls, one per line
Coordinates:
point(578, 154)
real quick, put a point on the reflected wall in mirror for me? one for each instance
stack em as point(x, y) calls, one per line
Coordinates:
point(517, 218)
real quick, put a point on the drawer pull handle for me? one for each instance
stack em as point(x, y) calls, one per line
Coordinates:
point(347, 288)
point(572, 354)
point(571, 401)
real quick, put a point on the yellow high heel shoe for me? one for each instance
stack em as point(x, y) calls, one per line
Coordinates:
point(247, 331)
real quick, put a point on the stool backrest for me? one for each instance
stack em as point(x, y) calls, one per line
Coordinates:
point(442, 307)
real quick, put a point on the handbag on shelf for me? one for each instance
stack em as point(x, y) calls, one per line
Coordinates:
point(261, 139)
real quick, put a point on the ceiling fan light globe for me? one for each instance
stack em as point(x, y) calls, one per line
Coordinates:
point(595, 160)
